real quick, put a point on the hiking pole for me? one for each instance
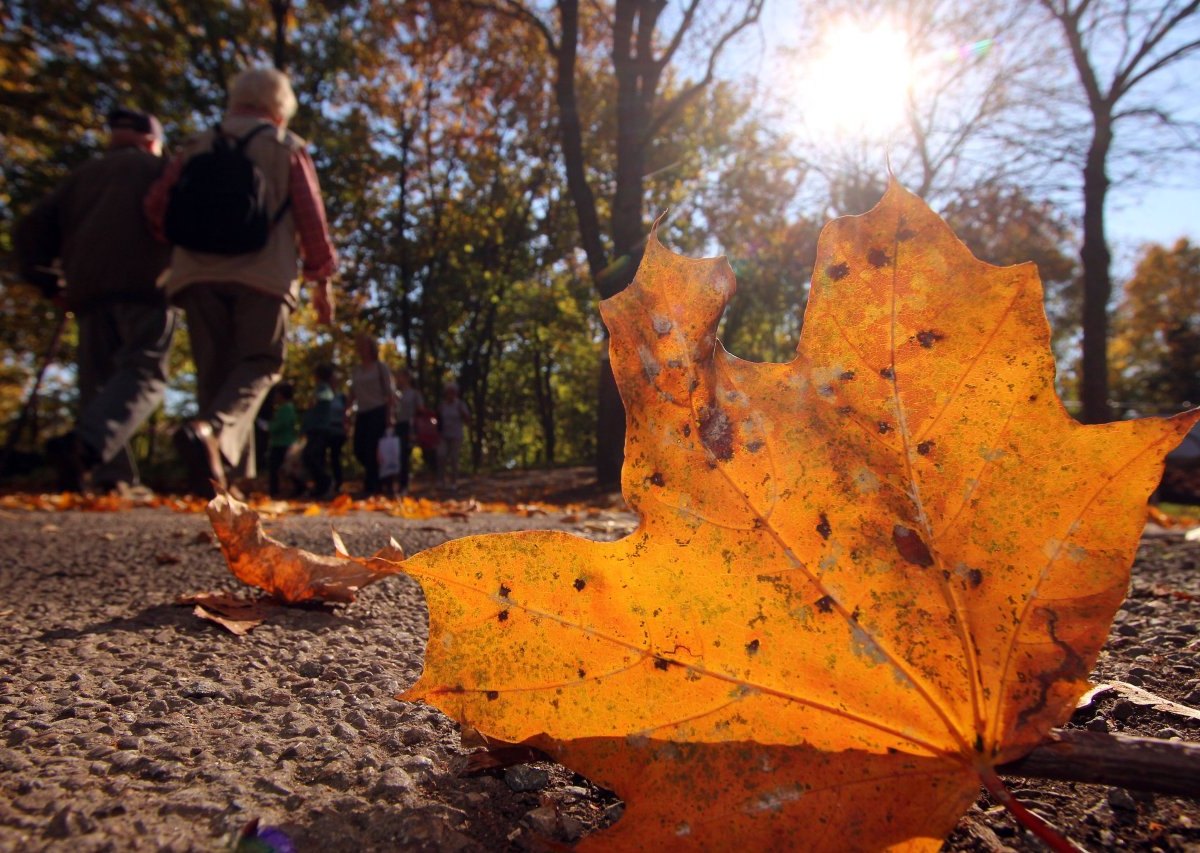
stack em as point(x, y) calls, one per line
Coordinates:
point(14, 434)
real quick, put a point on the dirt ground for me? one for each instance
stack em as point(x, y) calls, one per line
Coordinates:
point(127, 723)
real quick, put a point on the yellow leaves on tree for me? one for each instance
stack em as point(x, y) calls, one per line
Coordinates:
point(862, 579)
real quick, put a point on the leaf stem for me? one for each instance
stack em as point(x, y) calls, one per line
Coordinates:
point(1030, 820)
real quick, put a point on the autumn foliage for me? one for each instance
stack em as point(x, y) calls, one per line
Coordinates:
point(862, 579)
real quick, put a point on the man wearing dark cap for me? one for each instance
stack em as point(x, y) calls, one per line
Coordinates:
point(88, 247)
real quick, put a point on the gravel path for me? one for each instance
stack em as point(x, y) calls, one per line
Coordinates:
point(126, 723)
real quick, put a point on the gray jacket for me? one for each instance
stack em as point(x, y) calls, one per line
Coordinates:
point(94, 226)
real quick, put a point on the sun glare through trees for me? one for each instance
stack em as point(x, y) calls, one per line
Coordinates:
point(858, 84)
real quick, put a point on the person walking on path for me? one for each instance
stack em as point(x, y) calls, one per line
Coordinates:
point(452, 414)
point(94, 227)
point(317, 422)
point(408, 402)
point(284, 429)
point(238, 305)
point(371, 397)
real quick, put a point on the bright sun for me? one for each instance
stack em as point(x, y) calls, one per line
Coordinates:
point(857, 84)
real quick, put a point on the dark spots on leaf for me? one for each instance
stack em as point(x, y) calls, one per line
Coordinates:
point(687, 430)
point(582, 673)
point(756, 445)
point(925, 447)
point(845, 410)
point(846, 375)
point(825, 604)
point(887, 373)
point(752, 647)
point(854, 616)
point(504, 591)
point(975, 578)
point(929, 337)
point(579, 584)
point(658, 479)
point(823, 528)
point(493, 695)
point(891, 750)
point(884, 427)
point(905, 234)
point(662, 663)
point(978, 742)
point(502, 615)
point(1033, 398)
point(837, 272)
point(945, 574)
point(716, 432)
point(911, 547)
point(878, 258)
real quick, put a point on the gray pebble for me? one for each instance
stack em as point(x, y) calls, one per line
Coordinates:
point(392, 783)
point(68, 823)
point(572, 828)
point(1123, 710)
point(1120, 800)
point(543, 820)
point(19, 735)
point(524, 777)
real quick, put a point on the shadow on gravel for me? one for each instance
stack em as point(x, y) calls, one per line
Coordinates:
point(156, 616)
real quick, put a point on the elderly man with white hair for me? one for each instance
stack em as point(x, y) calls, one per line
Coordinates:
point(92, 231)
point(238, 305)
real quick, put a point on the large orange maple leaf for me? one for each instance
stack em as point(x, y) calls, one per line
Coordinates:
point(861, 581)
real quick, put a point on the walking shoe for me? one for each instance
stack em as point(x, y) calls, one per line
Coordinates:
point(197, 447)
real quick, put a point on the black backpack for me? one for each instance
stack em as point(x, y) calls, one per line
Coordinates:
point(219, 204)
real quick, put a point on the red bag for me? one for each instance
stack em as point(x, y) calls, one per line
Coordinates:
point(425, 429)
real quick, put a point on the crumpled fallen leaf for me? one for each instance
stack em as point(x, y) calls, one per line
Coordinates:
point(291, 574)
point(239, 616)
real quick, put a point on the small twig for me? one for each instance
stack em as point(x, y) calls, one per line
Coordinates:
point(1031, 821)
point(1136, 763)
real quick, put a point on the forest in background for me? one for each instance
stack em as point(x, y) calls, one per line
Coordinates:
point(491, 169)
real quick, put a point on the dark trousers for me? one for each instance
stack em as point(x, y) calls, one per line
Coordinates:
point(275, 460)
point(315, 446)
point(369, 427)
point(333, 444)
point(402, 432)
point(238, 338)
point(122, 356)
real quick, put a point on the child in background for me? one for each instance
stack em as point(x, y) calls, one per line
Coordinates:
point(283, 431)
point(452, 414)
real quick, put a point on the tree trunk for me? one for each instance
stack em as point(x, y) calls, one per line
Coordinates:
point(280, 10)
point(1097, 283)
